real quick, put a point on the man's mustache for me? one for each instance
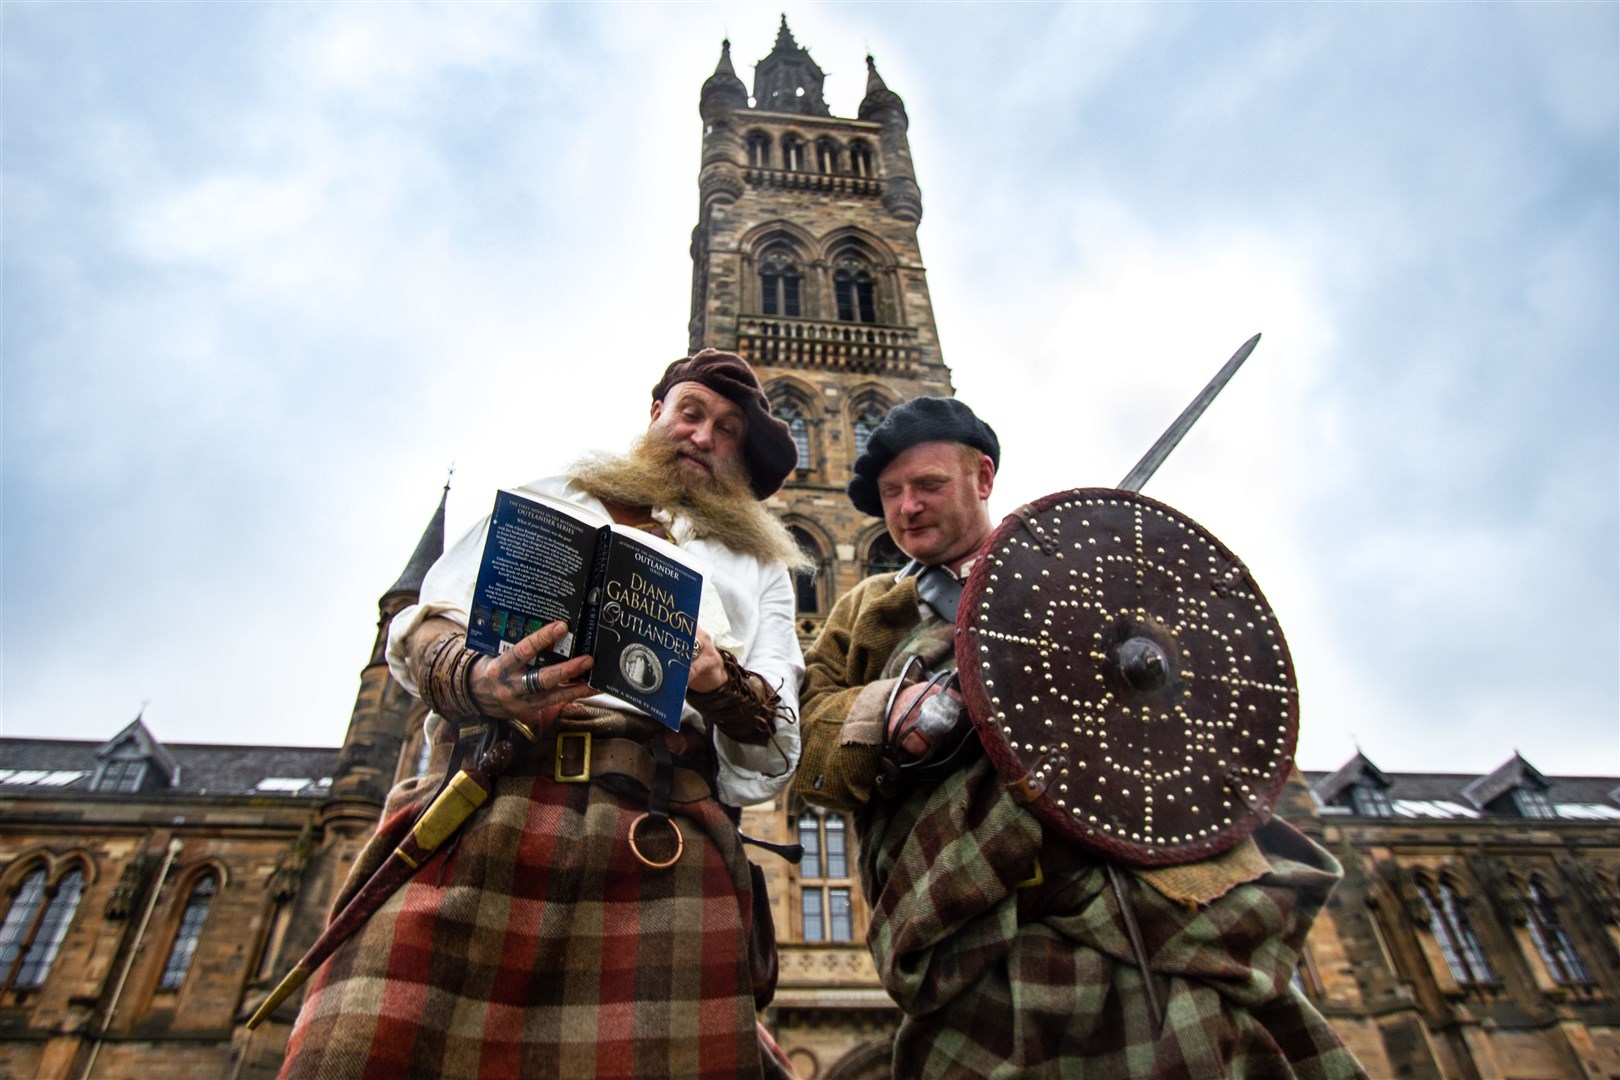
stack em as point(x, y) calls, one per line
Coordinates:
point(702, 457)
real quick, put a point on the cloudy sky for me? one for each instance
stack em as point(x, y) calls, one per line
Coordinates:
point(271, 269)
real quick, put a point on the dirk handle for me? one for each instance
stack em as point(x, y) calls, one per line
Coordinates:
point(460, 797)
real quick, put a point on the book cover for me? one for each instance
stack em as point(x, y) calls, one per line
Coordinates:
point(646, 624)
point(630, 599)
point(535, 570)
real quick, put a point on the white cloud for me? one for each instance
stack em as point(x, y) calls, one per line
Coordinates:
point(254, 310)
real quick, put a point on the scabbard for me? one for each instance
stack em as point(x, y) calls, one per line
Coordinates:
point(466, 792)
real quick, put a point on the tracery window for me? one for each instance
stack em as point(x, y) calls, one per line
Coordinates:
point(788, 411)
point(852, 292)
point(883, 557)
point(1552, 940)
point(1454, 933)
point(866, 422)
point(187, 936)
point(34, 927)
point(825, 910)
point(779, 281)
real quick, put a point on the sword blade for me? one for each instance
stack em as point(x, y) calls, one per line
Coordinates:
point(1151, 461)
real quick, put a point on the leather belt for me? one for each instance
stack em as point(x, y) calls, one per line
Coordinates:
point(579, 757)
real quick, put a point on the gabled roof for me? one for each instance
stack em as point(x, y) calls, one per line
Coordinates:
point(138, 738)
point(1515, 773)
point(52, 767)
point(1440, 795)
point(1357, 771)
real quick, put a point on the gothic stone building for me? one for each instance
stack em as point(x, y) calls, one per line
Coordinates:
point(152, 894)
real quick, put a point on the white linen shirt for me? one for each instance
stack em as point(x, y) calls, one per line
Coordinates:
point(748, 608)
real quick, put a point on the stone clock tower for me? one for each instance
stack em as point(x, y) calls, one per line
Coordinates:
point(805, 261)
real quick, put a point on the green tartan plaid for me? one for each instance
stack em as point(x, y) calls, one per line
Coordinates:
point(1002, 981)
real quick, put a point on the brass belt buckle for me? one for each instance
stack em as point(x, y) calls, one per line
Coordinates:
point(559, 773)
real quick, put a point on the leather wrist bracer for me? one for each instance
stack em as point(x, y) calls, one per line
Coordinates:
point(445, 679)
point(736, 706)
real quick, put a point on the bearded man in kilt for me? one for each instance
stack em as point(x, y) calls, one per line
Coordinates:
point(1004, 944)
point(550, 935)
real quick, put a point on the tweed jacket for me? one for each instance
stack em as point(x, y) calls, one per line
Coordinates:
point(1007, 951)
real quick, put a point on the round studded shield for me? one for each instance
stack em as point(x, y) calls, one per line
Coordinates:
point(1127, 679)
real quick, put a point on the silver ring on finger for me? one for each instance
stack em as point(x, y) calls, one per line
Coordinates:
point(531, 682)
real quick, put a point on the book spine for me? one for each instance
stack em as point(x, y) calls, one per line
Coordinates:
point(585, 632)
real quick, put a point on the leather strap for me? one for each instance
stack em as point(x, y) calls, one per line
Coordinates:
point(577, 757)
point(936, 586)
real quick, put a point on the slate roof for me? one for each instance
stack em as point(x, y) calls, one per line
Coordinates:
point(42, 766)
point(1446, 795)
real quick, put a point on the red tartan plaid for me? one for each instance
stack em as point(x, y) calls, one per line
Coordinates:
point(534, 944)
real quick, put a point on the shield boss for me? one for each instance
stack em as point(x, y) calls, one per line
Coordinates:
point(1127, 678)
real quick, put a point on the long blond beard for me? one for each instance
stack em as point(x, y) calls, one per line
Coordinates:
point(720, 504)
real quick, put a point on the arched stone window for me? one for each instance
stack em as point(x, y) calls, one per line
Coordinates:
point(759, 150)
point(807, 585)
point(792, 153)
point(869, 416)
point(188, 934)
point(883, 557)
point(779, 283)
point(826, 912)
point(794, 404)
point(826, 156)
point(788, 412)
point(1454, 933)
point(853, 293)
point(860, 158)
point(35, 925)
point(1557, 951)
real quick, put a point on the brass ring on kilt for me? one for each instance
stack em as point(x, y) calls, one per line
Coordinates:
point(635, 849)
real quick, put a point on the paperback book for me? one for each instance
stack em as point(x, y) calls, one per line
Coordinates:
point(630, 599)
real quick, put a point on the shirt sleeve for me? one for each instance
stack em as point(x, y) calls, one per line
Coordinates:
point(446, 593)
point(751, 774)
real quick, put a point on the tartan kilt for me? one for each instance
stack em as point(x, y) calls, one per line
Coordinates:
point(1001, 981)
point(534, 944)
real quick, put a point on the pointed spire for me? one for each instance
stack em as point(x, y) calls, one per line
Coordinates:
point(723, 90)
point(428, 550)
point(788, 80)
point(874, 81)
point(724, 66)
point(878, 96)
